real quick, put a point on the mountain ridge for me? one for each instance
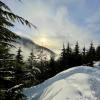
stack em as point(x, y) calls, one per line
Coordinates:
point(27, 45)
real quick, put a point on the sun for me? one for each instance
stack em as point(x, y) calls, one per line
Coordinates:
point(43, 41)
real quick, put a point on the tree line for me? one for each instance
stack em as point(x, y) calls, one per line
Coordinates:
point(75, 57)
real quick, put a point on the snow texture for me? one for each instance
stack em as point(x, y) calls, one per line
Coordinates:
point(78, 83)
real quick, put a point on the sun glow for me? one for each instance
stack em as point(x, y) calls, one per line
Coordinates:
point(43, 40)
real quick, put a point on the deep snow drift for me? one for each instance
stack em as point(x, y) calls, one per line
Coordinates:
point(78, 83)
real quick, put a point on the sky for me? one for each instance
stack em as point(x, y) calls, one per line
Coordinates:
point(58, 21)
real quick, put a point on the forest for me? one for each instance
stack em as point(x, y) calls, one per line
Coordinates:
point(17, 73)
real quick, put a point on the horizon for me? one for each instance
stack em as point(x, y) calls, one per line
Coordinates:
point(59, 21)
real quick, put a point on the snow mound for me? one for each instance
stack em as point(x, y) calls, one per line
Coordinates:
point(78, 83)
point(97, 64)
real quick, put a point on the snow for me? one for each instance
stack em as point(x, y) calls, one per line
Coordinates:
point(78, 83)
point(97, 64)
point(15, 87)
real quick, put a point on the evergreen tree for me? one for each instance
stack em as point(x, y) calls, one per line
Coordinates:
point(32, 68)
point(76, 50)
point(84, 51)
point(19, 57)
point(43, 65)
point(84, 60)
point(63, 58)
point(6, 37)
point(19, 67)
point(68, 49)
point(5, 57)
point(32, 60)
point(69, 58)
point(91, 54)
point(77, 57)
point(98, 53)
point(52, 67)
point(6, 20)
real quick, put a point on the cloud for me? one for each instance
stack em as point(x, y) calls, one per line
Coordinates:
point(60, 27)
point(53, 19)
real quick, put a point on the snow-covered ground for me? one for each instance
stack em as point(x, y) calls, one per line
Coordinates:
point(78, 83)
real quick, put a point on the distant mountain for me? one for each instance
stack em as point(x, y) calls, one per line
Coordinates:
point(27, 45)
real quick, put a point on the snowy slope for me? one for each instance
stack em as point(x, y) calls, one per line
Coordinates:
point(97, 64)
point(78, 83)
